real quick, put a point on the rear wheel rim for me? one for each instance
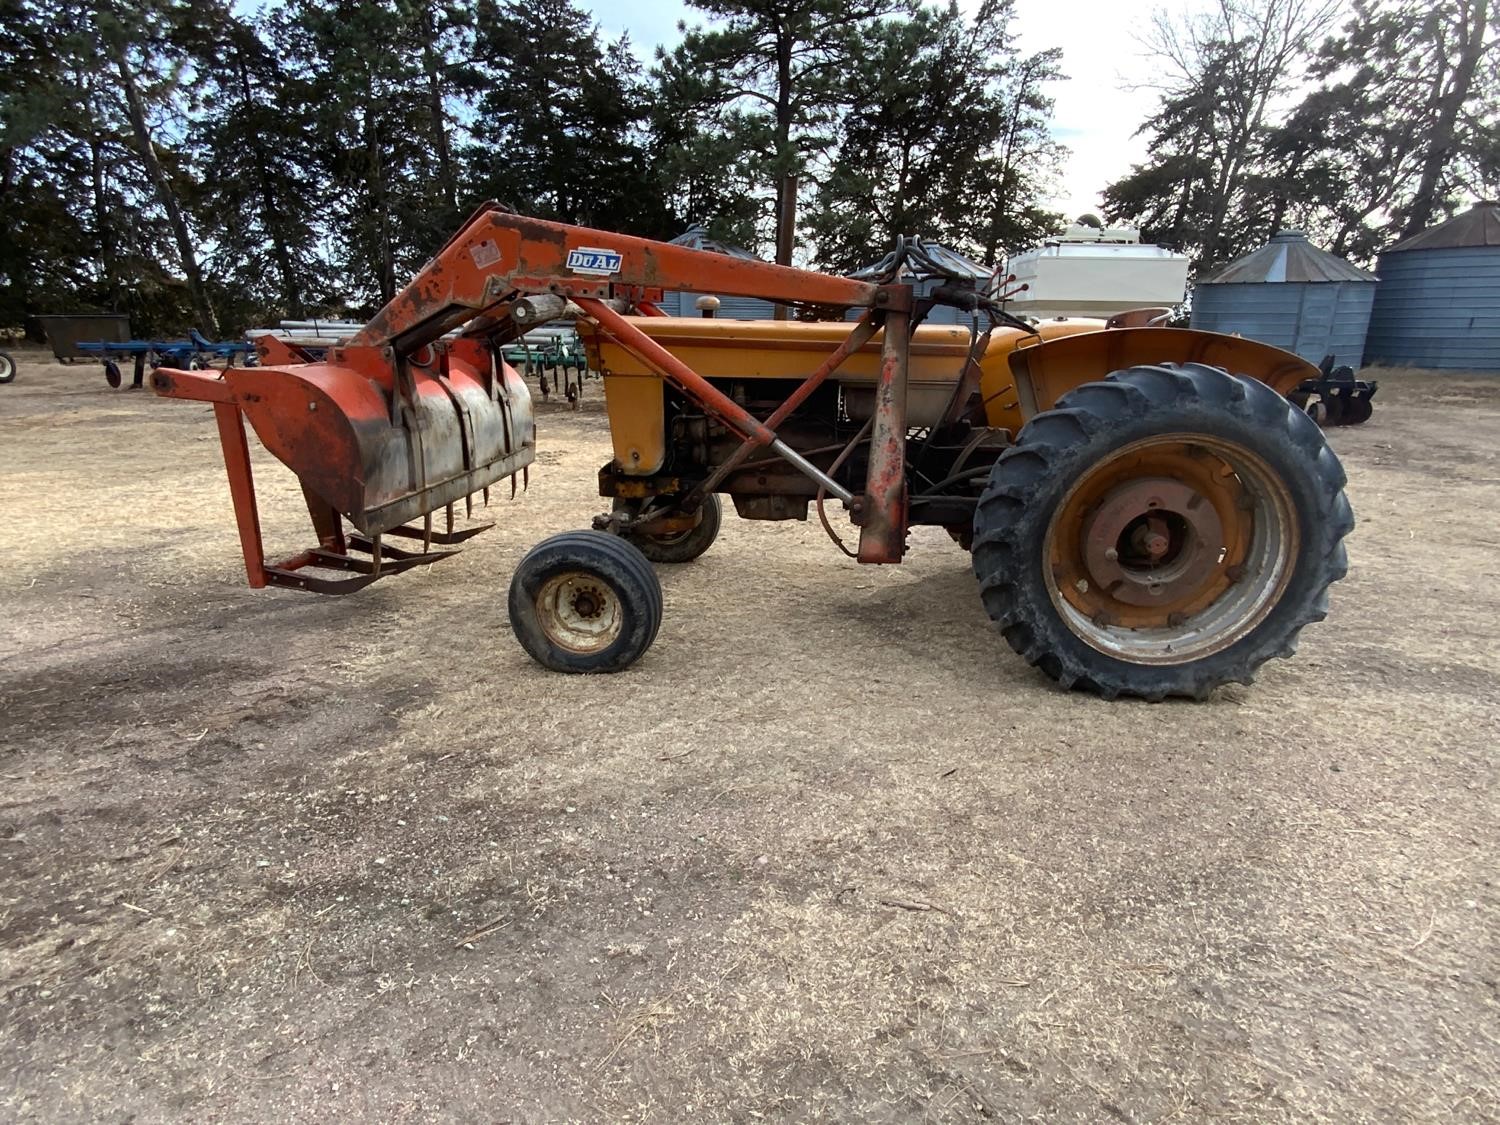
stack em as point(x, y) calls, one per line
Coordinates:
point(580, 612)
point(1171, 549)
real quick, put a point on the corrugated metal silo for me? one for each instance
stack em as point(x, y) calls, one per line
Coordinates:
point(733, 308)
point(1438, 302)
point(1291, 294)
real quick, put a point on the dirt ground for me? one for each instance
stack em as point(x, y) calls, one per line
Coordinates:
point(829, 852)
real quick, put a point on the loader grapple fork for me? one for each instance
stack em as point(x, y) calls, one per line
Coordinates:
point(382, 454)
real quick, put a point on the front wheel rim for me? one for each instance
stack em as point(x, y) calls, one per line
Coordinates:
point(580, 612)
point(1171, 549)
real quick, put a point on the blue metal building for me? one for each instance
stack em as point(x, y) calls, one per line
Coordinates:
point(1291, 294)
point(735, 308)
point(1438, 302)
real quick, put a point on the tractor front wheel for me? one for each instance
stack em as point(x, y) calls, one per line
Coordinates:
point(7, 368)
point(1162, 532)
point(679, 546)
point(585, 601)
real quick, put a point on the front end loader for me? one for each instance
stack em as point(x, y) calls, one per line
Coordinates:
point(1148, 514)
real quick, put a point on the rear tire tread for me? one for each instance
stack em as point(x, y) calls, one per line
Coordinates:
point(1048, 447)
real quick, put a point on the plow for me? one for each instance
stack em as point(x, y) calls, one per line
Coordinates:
point(1147, 512)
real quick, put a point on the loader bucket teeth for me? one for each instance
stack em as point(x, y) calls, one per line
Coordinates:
point(444, 538)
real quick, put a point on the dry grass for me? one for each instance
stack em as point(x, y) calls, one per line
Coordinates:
point(829, 852)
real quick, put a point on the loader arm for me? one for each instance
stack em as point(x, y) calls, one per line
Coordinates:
point(498, 255)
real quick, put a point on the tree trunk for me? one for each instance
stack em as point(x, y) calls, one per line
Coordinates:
point(1441, 138)
point(385, 266)
point(103, 230)
point(20, 280)
point(786, 180)
point(291, 287)
point(135, 109)
point(447, 181)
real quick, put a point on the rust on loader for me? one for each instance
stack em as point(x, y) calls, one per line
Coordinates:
point(1148, 513)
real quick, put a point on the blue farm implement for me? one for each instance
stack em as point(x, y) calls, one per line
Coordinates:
point(194, 353)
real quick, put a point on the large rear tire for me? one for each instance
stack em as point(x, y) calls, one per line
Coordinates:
point(584, 601)
point(1162, 532)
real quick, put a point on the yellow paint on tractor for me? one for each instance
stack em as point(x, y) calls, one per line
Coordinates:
point(1021, 374)
point(779, 349)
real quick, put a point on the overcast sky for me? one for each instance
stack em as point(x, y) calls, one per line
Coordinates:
point(1097, 109)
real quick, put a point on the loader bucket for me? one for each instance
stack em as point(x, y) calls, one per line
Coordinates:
point(379, 455)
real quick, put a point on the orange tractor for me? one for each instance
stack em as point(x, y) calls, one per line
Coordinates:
point(1148, 515)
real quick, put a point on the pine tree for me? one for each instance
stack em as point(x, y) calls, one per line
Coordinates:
point(259, 190)
point(1221, 73)
point(371, 122)
point(138, 41)
point(945, 135)
point(1404, 124)
point(558, 129)
point(774, 70)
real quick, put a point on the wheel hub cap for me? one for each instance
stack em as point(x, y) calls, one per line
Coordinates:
point(1152, 541)
point(1170, 548)
point(578, 612)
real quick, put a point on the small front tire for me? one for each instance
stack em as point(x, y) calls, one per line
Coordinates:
point(585, 601)
point(7, 368)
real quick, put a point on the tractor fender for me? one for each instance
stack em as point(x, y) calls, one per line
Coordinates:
point(1045, 371)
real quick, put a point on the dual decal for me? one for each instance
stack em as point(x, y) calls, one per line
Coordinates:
point(593, 261)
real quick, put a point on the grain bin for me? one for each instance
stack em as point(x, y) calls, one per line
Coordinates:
point(1438, 301)
point(1291, 294)
point(730, 308)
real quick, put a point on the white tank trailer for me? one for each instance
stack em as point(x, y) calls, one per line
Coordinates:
point(1094, 272)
